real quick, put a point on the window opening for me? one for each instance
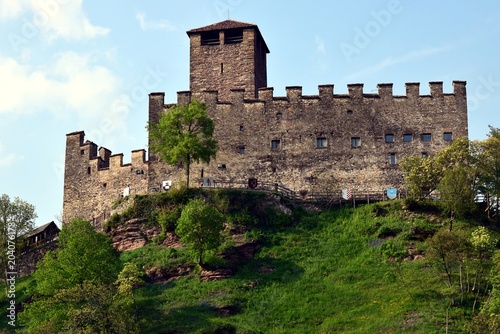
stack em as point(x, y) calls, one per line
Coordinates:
point(389, 138)
point(275, 144)
point(355, 142)
point(407, 137)
point(426, 137)
point(321, 142)
point(448, 136)
point(233, 36)
point(210, 38)
point(393, 158)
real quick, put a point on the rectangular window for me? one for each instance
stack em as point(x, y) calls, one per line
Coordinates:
point(426, 137)
point(275, 144)
point(241, 150)
point(321, 142)
point(392, 159)
point(355, 142)
point(233, 36)
point(82, 152)
point(242, 128)
point(210, 38)
point(448, 136)
point(407, 138)
point(424, 155)
point(389, 138)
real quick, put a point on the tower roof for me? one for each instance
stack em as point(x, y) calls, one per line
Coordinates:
point(226, 25)
point(223, 25)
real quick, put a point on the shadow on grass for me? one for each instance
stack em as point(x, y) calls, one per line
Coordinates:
point(266, 270)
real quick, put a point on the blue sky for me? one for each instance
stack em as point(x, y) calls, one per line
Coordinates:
point(70, 65)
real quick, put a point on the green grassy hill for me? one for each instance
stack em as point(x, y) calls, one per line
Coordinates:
point(340, 270)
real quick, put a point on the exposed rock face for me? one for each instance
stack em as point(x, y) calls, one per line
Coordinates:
point(133, 234)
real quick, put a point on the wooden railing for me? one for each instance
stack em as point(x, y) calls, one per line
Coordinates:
point(325, 197)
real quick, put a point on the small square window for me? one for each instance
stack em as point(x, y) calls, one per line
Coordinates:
point(321, 142)
point(407, 138)
point(275, 144)
point(82, 152)
point(242, 128)
point(241, 150)
point(389, 138)
point(448, 136)
point(392, 159)
point(279, 116)
point(355, 142)
point(424, 155)
point(426, 137)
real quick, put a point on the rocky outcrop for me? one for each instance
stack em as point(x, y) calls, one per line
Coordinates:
point(133, 234)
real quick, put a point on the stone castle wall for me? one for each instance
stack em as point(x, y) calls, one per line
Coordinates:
point(94, 179)
point(245, 130)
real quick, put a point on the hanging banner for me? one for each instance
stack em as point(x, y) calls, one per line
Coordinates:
point(208, 182)
point(346, 194)
point(392, 193)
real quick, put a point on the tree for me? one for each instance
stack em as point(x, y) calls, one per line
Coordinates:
point(17, 217)
point(82, 255)
point(77, 289)
point(184, 135)
point(200, 228)
point(489, 169)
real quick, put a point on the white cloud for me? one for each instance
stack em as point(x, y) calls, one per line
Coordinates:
point(153, 25)
point(319, 58)
point(392, 61)
point(7, 160)
point(51, 18)
point(72, 85)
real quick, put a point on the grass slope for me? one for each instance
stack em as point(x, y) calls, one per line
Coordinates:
point(328, 273)
point(324, 272)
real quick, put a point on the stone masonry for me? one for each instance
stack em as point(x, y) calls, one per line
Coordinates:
point(309, 144)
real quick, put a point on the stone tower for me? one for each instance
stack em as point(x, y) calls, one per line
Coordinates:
point(227, 55)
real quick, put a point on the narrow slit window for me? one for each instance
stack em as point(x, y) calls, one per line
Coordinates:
point(392, 158)
point(88, 170)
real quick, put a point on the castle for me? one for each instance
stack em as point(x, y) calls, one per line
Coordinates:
point(312, 143)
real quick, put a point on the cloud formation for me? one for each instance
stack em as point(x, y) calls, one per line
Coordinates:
point(153, 25)
point(392, 61)
point(8, 159)
point(72, 85)
point(52, 19)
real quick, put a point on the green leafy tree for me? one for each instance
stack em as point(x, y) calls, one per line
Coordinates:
point(200, 228)
point(76, 289)
point(489, 169)
point(17, 217)
point(183, 135)
point(457, 190)
point(82, 255)
point(421, 175)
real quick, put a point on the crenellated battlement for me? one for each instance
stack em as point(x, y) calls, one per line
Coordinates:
point(95, 178)
point(325, 92)
point(105, 159)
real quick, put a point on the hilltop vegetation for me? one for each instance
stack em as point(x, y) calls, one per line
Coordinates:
point(388, 267)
